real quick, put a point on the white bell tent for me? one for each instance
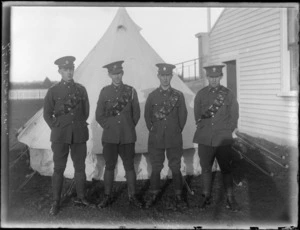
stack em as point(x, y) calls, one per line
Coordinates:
point(121, 41)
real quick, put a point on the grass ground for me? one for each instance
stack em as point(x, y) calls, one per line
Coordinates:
point(265, 201)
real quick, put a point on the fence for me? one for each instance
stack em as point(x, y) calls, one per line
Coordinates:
point(23, 94)
point(188, 70)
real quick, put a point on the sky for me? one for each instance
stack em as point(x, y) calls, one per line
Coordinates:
point(40, 35)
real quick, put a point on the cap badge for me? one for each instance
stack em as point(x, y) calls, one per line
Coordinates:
point(115, 66)
point(164, 68)
point(214, 69)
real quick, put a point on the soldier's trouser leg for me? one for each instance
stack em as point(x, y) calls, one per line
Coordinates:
point(127, 154)
point(224, 157)
point(174, 162)
point(207, 157)
point(110, 154)
point(78, 155)
point(157, 158)
point(60, 157)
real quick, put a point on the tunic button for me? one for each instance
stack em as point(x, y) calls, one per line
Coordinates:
point(72, 113)
point(72, 122)
point(118, 121)
point(212, 123)
point(69, 109)
point(165, 118)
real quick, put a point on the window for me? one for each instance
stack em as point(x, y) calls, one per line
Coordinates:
point(293, 47)
point(289, 52)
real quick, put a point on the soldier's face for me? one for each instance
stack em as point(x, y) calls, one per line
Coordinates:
point(165, 80)
point(116, 78)
point(66, 73)
point(214, 81)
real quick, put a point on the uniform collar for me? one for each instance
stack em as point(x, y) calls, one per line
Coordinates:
point(213, 89)
point(71, 82)
point(161, 90)
point(117, 87)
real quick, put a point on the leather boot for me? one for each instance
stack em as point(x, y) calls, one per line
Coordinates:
point(108, 183)
point(232, 204)
point(154, 187)
point(105, 202)
point(57, 184)
point(131, 183)
point(177, 181)
point(228, 184)
point(180, 203)
point(54, 208)
point(206, 201)
point(80, 179)
point(151, 199)
point(206, 194)
point(155, 181)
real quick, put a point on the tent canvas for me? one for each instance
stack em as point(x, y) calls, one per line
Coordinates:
point(121, 41)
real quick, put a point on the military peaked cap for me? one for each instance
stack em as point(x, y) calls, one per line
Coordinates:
point(214, 70)
point(114, 67)
point(165, 69)
point(65, 62)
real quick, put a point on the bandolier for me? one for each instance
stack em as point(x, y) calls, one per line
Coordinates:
point(118, 112)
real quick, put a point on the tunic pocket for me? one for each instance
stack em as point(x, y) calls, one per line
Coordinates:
point(225, 107)
point(200, 125)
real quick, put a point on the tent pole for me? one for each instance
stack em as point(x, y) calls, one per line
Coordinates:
point(27, 180)
point(187, 186)
point(19, 157)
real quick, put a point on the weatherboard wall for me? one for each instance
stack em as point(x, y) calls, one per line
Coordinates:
point(254, 37)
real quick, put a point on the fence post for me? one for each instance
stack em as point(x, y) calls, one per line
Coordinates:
point(195, 68)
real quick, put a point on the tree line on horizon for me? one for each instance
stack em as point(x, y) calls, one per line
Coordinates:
point(47, 83)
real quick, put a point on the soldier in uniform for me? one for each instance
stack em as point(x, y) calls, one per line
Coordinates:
point(165, 116)
point(118, 112)
point(66, 109)
point(216, 113)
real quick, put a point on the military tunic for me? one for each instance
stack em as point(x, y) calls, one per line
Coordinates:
point(165, 131)
point(118, 123)
point(165, 116)
point(216, 130)
point(66, 109)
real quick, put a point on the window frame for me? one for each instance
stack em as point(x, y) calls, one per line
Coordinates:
point(285, 58)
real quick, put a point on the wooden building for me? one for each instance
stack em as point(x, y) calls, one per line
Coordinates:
point(259, 48)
